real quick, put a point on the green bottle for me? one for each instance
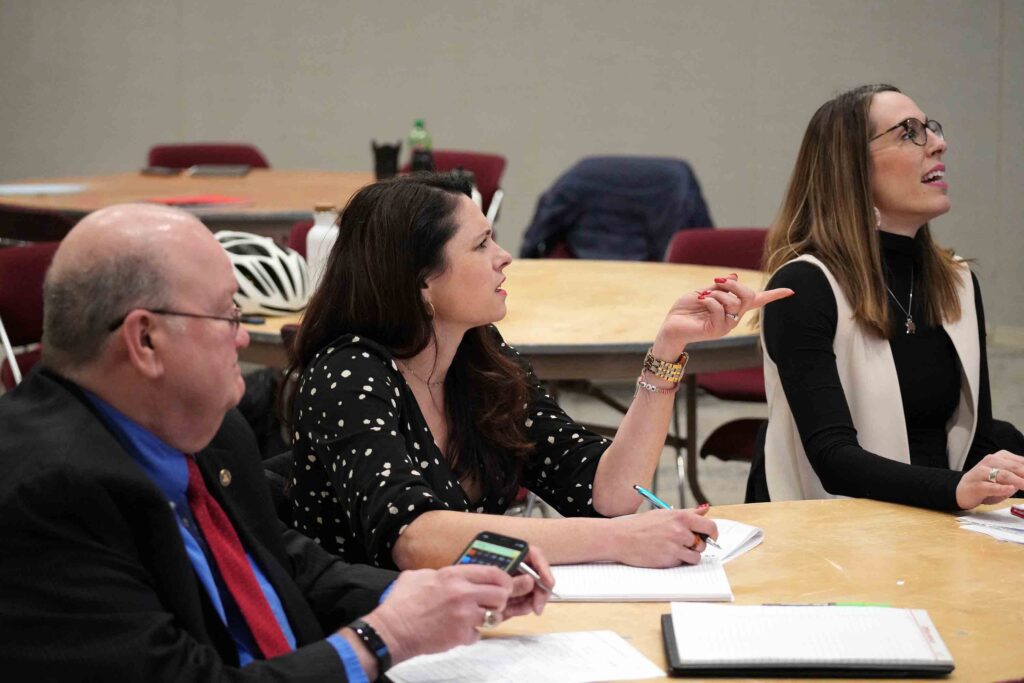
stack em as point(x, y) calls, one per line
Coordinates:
point(421, 146)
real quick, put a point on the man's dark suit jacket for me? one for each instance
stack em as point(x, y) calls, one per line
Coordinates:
point(95, 584)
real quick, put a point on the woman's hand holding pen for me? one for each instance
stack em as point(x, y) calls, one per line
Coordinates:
point(661, 538)
point(709, 314)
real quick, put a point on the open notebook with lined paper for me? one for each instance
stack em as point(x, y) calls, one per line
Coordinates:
point(802, 640)
point(611, 582)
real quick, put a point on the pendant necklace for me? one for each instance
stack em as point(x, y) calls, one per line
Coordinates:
point(911, 327)
point(429, 383)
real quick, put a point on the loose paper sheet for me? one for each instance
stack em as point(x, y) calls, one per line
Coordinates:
point(735, 538)
point(998, 524)
point(16, 189)
point(549, 658)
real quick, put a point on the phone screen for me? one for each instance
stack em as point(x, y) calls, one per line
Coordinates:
point(499, 551)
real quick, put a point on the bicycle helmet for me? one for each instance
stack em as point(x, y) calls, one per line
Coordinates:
point(271, 280)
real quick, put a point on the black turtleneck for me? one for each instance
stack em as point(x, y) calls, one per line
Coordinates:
point(799, 333)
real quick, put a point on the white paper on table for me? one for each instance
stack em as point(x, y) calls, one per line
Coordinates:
point(549, 658)
point(1001, 533)
point(613, 582)
point(996, 518)
point(16, 189)
point(735, 538)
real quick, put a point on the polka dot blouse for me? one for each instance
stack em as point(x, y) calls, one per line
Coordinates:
point(366, 464)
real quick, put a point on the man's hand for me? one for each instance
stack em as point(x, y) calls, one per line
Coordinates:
point(432, 610)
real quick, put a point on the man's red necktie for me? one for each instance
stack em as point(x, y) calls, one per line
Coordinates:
point(234, 566)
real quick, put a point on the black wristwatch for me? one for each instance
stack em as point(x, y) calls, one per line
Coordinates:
point(374, 643)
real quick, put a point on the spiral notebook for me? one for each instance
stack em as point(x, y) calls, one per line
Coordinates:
point(805, 640)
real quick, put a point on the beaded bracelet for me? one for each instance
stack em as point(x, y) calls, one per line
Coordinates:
point(641, 383)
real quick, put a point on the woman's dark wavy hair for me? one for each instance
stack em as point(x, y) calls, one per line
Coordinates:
point(391, 240)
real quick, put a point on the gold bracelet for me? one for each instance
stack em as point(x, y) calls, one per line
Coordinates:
point(670, 372)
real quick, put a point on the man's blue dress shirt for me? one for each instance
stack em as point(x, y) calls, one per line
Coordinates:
point(167, 468)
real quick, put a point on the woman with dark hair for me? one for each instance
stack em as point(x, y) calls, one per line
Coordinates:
point(876, 372)
point(412, 414)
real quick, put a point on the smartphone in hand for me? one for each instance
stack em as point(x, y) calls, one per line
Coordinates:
point(494, 549)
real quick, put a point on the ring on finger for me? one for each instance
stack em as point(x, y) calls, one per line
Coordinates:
point(733, 316)
point(491, 619)
point(993, 475)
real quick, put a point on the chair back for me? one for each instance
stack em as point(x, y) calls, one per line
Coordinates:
point(486, 168)
point(297, 236)
point(22, 270)
point(33, 225)
point(191, 154)
point(727, 247)
point(617, 208)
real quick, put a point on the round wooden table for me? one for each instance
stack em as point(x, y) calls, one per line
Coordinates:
point(852, 551)
point(594, 320)
point(274, 199)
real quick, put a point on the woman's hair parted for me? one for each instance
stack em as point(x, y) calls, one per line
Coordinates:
point(828, 212)
point(391, 240)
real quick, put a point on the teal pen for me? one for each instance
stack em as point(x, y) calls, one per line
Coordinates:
point(658, 502)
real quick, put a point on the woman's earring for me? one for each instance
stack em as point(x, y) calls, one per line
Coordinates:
point(430, 309)
point(878, 217)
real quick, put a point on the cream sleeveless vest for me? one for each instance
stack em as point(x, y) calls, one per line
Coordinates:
point(867, 373)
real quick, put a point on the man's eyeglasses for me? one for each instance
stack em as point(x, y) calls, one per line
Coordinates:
point(235, 319)
point(915, 130)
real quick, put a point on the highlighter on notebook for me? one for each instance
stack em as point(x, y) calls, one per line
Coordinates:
point(658, 502)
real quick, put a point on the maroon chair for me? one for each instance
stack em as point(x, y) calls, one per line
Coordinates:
point(487, 169)
point(26, 224)
point(22, 270)
point(728, 248)
point(212, 153)
point(297, 236)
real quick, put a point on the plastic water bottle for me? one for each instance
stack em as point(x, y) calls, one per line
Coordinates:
point(319, 242)
point(421, 145)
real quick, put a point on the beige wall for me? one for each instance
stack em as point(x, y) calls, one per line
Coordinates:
point(88, 86)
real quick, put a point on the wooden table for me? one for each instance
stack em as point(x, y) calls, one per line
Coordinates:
point(590, 320)
point(276, 198)
point(594, 320)
point(852, 551)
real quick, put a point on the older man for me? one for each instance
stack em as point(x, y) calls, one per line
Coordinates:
point(138, 538)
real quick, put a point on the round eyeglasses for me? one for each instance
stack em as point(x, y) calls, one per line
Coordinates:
point(915, 130)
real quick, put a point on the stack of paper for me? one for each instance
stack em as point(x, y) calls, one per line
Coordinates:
point(998, 524)
point(549, 658)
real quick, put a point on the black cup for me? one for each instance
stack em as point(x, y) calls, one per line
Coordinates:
point(385, 159)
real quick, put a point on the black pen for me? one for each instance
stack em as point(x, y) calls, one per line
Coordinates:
point(658, 502)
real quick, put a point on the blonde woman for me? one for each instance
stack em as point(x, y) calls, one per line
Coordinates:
point(876, 372)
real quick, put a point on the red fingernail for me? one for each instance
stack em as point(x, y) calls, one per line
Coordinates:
point(703, 505)
point(706, 292)
point(720, 280)
point(700, 298)
point(734, 276)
